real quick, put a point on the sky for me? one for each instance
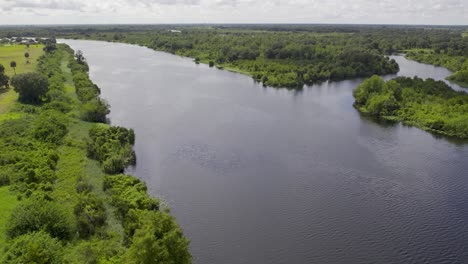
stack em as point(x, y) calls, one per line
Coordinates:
point(442, 12)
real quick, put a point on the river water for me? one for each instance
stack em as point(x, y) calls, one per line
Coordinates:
point(262, 175)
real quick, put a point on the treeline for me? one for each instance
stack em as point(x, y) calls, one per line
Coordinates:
point(281, 55)
point(428, 104)
point(279, 59)
point(71, 210)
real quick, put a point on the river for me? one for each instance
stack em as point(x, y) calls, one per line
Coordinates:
point(261, 175)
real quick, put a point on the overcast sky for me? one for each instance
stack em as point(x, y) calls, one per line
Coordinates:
point(234, 11)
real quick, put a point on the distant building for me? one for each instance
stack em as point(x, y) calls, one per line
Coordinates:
point(175, 31)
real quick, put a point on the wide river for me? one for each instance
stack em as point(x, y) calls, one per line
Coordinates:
point(261, 175)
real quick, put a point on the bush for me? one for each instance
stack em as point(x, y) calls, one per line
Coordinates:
point(157, 239)
point(112, 146)
point(95, 110)
point(37, 247)
point(36, 215)
point(127, 193)
point(90, 214)
point(31, 87)
point(50, 127)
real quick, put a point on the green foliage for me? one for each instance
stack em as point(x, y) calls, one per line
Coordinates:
point(31, 87)
point(37, 247)
point(4, 79)
point(112, 146)
point(95, 110)
point(90, 214)
point(157, 239)
point(50, 126)
point(128, 192)
point(96, 250)
point(428, 104)
point(460, 77)
point(36, 215)
point(61, 215)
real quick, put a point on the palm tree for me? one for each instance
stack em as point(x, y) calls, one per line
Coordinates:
point(13, 65)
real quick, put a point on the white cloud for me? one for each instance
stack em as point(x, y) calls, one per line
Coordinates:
point(234, 11)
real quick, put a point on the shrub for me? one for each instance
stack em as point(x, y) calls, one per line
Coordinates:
point(112, 146)
point(37, 247)
point(128, 192)
point(95, 110)
point(36, 215)
point(90, 214)
point(157, 239)
point(50, 127)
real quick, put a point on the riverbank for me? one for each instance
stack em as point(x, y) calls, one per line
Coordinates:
point(280, 59)
point(62, 201)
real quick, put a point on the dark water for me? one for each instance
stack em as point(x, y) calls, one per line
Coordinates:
point(263, 175)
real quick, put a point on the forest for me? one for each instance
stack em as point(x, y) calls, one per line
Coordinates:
point(64, 196)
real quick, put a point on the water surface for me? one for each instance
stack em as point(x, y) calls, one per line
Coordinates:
point(264, 175)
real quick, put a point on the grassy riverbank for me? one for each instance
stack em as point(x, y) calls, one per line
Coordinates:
point(63, 197)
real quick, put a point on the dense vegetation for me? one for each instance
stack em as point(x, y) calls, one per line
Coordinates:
point(70, 208)
point(279, 59)
point(428, 104)
point(455, 59)
point(286, 55)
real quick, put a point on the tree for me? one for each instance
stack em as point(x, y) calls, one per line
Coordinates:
point(32, 87)
point(38, 247)
point(80, 57)
point(3, 77)
point(13, 65)
point(26, 55)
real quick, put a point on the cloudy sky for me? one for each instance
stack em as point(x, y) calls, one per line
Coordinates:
point(234, 11)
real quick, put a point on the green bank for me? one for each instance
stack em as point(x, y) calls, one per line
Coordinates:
point(64, 197)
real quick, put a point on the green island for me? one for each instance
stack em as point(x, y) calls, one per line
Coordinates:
point(64, 197)
point(427, 104)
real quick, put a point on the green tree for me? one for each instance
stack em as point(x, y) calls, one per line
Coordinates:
point(37, 247)
point(26, 55)
point(31, 87)
point(158, 239)
point(13, 65)
point(80, 57)
point(4, 79)
point(36, 215)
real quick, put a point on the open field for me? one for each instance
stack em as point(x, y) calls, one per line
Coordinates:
point(15, 53)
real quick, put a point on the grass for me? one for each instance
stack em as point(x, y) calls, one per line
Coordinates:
point(9, 202)
point(74, 164)
point(15, 53)
point(7, 100)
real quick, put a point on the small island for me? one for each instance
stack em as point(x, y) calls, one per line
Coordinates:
point(428, 104)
